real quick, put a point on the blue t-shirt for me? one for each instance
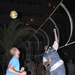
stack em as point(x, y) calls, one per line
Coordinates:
point(15, 62)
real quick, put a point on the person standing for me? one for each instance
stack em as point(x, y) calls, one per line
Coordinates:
point(52, 58)
point(14, 64)
point(70, 66)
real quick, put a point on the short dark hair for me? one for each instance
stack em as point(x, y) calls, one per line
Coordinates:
point(46, 48)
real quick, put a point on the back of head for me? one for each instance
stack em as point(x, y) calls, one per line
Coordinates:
point(70, 60)
point(13, 50)
point(46, 48)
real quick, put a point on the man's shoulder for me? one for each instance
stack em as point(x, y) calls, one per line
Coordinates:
point(14, 58)
point(46, 55)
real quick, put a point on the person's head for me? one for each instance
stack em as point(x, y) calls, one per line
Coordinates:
point(47, 49)
point(70, 60)
point(14, 51)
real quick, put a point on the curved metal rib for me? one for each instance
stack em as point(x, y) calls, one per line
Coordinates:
point(71, 21)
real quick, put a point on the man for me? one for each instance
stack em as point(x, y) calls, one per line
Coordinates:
point(52, 58)
point(71, 68)
point(14, 65)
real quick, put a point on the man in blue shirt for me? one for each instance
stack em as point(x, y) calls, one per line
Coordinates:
point(52, 58)
point(14, 65)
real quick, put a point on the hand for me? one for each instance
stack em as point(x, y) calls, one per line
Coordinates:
point(54, 29)
point(22, 69)
point(23, 73)
point(49, 59)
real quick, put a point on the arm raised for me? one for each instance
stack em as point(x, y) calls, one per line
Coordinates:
point(55, 35)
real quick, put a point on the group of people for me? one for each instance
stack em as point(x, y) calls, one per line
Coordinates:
point(50, 57)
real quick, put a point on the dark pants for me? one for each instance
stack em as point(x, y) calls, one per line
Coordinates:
point(47, 73)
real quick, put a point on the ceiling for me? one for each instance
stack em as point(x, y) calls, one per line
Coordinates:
point(69, 3)
point(41, 13)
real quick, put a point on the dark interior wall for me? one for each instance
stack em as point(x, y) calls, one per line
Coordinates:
point(42, 12)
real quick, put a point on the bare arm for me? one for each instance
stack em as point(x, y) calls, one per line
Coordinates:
point(55, 45)
point(11, 69)
point(45, 63)
point(55, 35)
point(48, 62)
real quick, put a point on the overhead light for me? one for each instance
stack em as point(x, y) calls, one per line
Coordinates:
point(53, 6)
point(49, 4)
point(27, 24)
point(31, 19)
